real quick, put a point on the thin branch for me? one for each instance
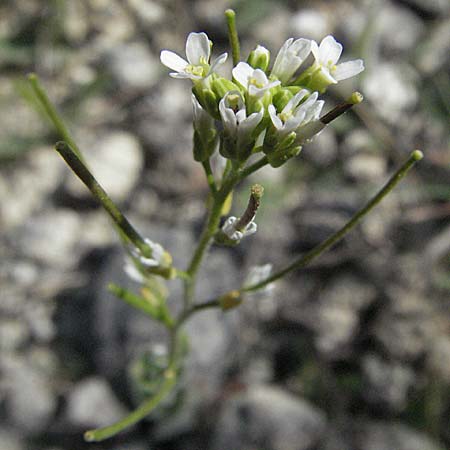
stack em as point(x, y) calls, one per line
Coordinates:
point(303, 261)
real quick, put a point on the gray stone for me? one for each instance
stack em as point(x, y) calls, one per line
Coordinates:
point(52, 237)
point(386, 383)
point(133, 66)
point(270, 418)
point(366, 167)
point(391, 89)
point(389, 436)
point(337, 315)
point(310, 23)
point(92, 403)
point(26, 187)
point(22, 382)
point(116, 161)
point(13, 334)
point(406, 326)
point(9, 440)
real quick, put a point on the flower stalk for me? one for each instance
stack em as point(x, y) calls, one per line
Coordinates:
point(303, 261)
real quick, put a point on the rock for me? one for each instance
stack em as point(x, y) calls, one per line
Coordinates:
point(391, 89)
point(22, 382)
point(133, 66)
point(323, 149)
point(310, 24)
point(337, 315)
point(392, 17)
point(10, 440)
point(52, 237)
point(92, 403)
point(116, 161)
point(406, 326)
point(13, 334)
point(432, 55)
point(366, 167)
point(270, 418)
point(386, 383)
point(389, 436)
point(148, 11)
point(25, 187)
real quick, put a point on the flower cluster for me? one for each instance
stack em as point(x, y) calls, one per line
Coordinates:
point(274, 111)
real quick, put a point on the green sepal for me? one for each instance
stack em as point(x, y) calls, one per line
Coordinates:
point(281, 156)
point(221, 86)
point(207, 99)
point(259, 59)
point(220, 238)
point(204, 144)
point(281, 98)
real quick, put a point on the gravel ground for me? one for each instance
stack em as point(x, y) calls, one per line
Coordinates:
point(351, 353)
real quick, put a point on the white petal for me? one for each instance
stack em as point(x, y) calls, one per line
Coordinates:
point(228, 117)
point(277, 123)
point(131, 270)
point(241, 115)
point(197, 46)
point(218, 62)
point(314, 112)
point(301, 47)
point(281, 56)
point(242, 72)
point(173, 61)
point(330, 51)
point(292, 123)
point(250, 123)
point(348, 69)
point(260, 77)
point(315, 51)
point(294, 101)
point(183, 76)
point(250, 229)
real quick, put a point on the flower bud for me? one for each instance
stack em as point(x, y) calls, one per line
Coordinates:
point(259, 58)
point(205, 133)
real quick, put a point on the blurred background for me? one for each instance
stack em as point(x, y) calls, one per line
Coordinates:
point(352, 353)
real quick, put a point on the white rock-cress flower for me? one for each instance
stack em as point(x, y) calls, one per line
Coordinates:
point(229, 229)
point(131, 270)
point(198, 53)
point(290, 58)
point(296, 114)
point(238, 127)
point(155, 260)
point(254, 81)
point(326, 70)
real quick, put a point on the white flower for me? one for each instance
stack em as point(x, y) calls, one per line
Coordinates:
point(253, 80)
point(290, 58)
point(234, 117)
point(131, 270)
point(229, 228)
point(156, 258)
point(296, 114)
point(198, 52)
point(257, 274)
point(327, 55)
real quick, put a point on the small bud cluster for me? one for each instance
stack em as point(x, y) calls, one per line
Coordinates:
point(274, 111)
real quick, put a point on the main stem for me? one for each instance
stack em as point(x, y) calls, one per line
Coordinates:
point(208, 232)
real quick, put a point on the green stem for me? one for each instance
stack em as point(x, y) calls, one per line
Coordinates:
point(208, 232)
point(158, 312)
point(170, 378)
point(209, 176)
point(100, 194)
point(230, 16)
point(52, 114)
point(415, 156)
point(253, 167)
